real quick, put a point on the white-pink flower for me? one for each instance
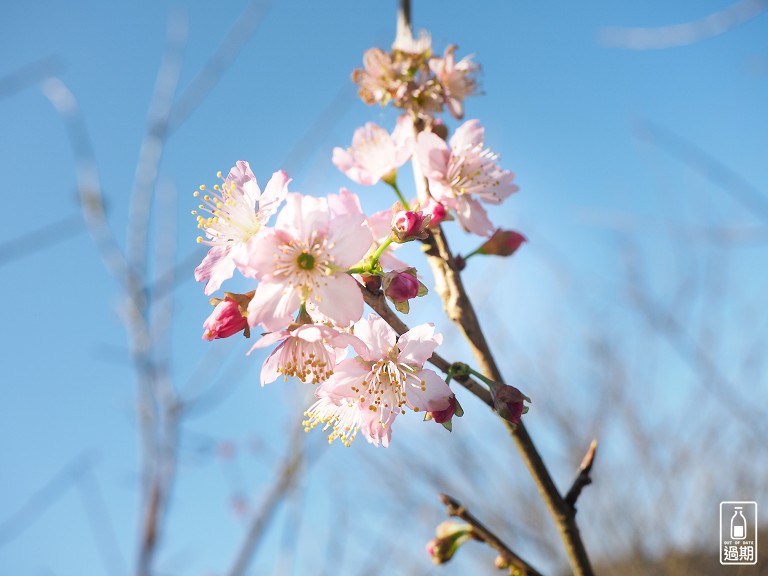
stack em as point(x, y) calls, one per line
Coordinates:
point(307, 351)
point(374, 154)
point(304, 259)
point(456, 78)
point(462, 172)
point(233, 219)
point(368, 392)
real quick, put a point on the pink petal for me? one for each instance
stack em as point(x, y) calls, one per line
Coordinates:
point(256, 258)
point(468, 135)
point(269, 369)
point(344, 383)
point(473, 217)
point(273, 305)
point(433, 155)
point(345, 202)
point(302, 215)
point(377, 335)
point(345, 162)
point(350, 238)
point(437, 395)
point(274, 194)
point(216, 267)
point(339, 298)
point(417, 345)
point(374, 430)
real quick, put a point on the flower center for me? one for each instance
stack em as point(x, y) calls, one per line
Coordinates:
point(306, 261)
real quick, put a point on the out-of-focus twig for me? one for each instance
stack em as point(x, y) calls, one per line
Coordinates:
point(284, 483)
point(657, 38)
point(40, 239)
point(584, 477)
point(481, 532)
point(43, 498)
point(733, 183)
point(209, 76)
point(29, 75)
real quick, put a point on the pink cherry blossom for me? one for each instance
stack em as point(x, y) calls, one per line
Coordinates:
point(374, 154)
point(369, 391)
point(234, 219)
point(410, 225)
point(462, 173)
point(307, 351)
point(304, 259)
point(456, 78)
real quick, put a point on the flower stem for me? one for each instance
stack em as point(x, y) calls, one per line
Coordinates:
point(400, 197)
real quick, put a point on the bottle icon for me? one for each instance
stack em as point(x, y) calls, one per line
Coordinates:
point(738, 525)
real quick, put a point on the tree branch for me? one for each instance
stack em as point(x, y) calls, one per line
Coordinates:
point(482, 533)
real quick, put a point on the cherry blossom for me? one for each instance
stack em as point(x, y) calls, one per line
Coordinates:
point(369, 391)
point(234, 219)
point(307, 351)
point(456, 78)
point(303, 260)
point(462, 172)
point(374, 154)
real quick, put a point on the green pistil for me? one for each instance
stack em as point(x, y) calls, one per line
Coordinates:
point(306, 261)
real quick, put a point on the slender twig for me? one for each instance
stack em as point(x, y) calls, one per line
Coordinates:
point(459, 308)
point(484, 534)
point(583, 478)
point(291, 467)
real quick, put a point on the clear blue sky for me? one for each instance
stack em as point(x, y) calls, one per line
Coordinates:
point(564, 111)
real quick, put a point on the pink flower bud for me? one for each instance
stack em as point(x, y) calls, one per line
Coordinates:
point(508, 402)
point(503, 243)
point(401, 286)
point(437, 212)
point(410, 225)
point(228, 316)
point(444, 417)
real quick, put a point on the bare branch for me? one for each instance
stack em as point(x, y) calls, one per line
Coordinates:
point(482, 533)
point(584, 478)
point(682, 34)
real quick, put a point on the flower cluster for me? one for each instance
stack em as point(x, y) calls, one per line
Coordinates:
point(411, 78)
point(310, 258)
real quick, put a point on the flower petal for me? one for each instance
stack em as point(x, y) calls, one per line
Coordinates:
point(417, 345)
point(350, 239)
point(434, 395)
point(216, 267)
point(377, 335)
point(273, 305)
point(274, 194)
point(339, 298)
point(473, 217)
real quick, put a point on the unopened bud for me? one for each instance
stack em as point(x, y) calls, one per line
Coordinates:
point(410, 225)
point(444, 417)
point(229, 316)
point(502, 243)
point(508, 402)
point(400, 286)
point(450, 536)
point(436, 211)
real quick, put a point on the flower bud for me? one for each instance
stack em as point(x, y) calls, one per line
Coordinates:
point(508, 402)
point(410, 225)
point(436, 211)
point(444, 417)
point(401, 286)
point(450, 536)
point(229, 316)
point(502, 243)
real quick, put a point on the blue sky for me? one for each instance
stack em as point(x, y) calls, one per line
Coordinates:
point(566, 113)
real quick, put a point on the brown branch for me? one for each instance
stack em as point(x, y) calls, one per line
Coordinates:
point(584, 478)
point(482, 533)
point(458, 308)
